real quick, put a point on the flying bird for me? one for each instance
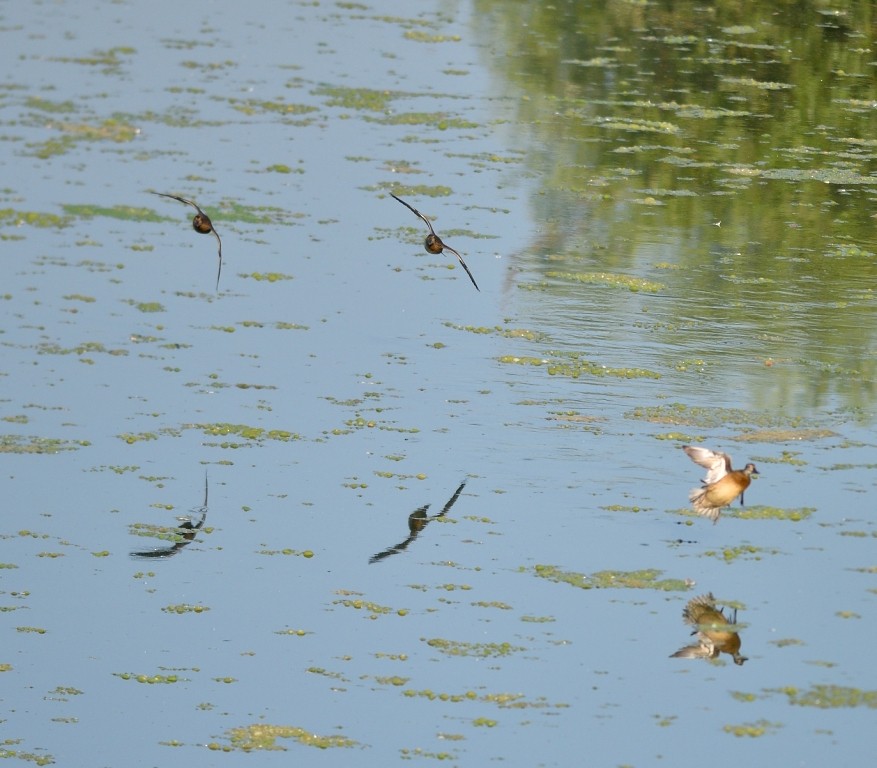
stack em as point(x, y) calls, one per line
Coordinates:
point(721, 485)
point(433, 242)
point(200, 223)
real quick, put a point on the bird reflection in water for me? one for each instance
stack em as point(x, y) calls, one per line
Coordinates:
point(433, 243)
point(417, 521)
point(200, 223)
point(183, 534)
point(715, 632)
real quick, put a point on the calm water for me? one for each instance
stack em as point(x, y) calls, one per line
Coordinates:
point(669, 213)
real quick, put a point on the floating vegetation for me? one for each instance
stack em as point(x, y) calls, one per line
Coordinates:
point(373, 609)
point(24, 444)
point(408, 754)
point(753, 730)
point(764, 85)
point(306, 553)
point(256, 106)
point(639, 126)
point(480, 650)
point(145, 306)
point(14, 218)
point(30, 757)
point(109, 60)
point(356, 98)
point(574, 365)
point(828, 697)
point(182, 608)
point(31, 630)
point(267, 277)
point(772, 513)
point(392, 680)
point(711, 417)
point(112, 129)
point(424, 37)
point(150, 679)
point(264, 736)
point(435, 119)
point(121, 212)
point(507, 333)
point(130, 438)
point(746, 551)
point(644, 579)
point(256, 434)
point(784, 435)
point(634, 284)
point(86, 347)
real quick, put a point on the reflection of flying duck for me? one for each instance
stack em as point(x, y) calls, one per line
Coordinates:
point(184, 532)
point(200, 223)
point(721, 485)
point(715, 632)
point(417, 521)
point(433, 243)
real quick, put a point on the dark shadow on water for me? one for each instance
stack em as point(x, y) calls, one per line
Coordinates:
point(417, 521)
point(184, 533)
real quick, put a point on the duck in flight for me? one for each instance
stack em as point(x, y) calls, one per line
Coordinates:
point(433, 242)
point(721, 485)
point(200, 223)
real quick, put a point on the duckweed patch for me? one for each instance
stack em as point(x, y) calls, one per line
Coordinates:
point(182, 608)
point(745, 551)
point(255, 106)
point(356, 98)
point(419, 36)
point(420, 190)
point(435, 120)
point(574, 365)
point(828, 697)
point(752, 730)
point(479, 650)
point(372, 609)
point(773, 513)
point(255, 434)
point(705, 417)
point(27, 444)
point(266, 277)
point(11, 217)
point(30, 757)
point(784, 435)
point(249, 738)
point(497, 330)
point(83, 348)
point(634, 284)
point(306, 553)
point(150, 679)
point(645, 579)
point(121, 212)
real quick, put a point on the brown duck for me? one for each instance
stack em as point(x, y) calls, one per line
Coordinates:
point(433, 243)
point(716, 633)
point(721, 485)
point(200, 223)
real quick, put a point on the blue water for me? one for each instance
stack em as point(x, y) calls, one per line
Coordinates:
point(392, 405)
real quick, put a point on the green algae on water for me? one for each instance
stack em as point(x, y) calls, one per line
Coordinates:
point(265, 736)
point(828, 697)
point(644, 579)
point(479, 650)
